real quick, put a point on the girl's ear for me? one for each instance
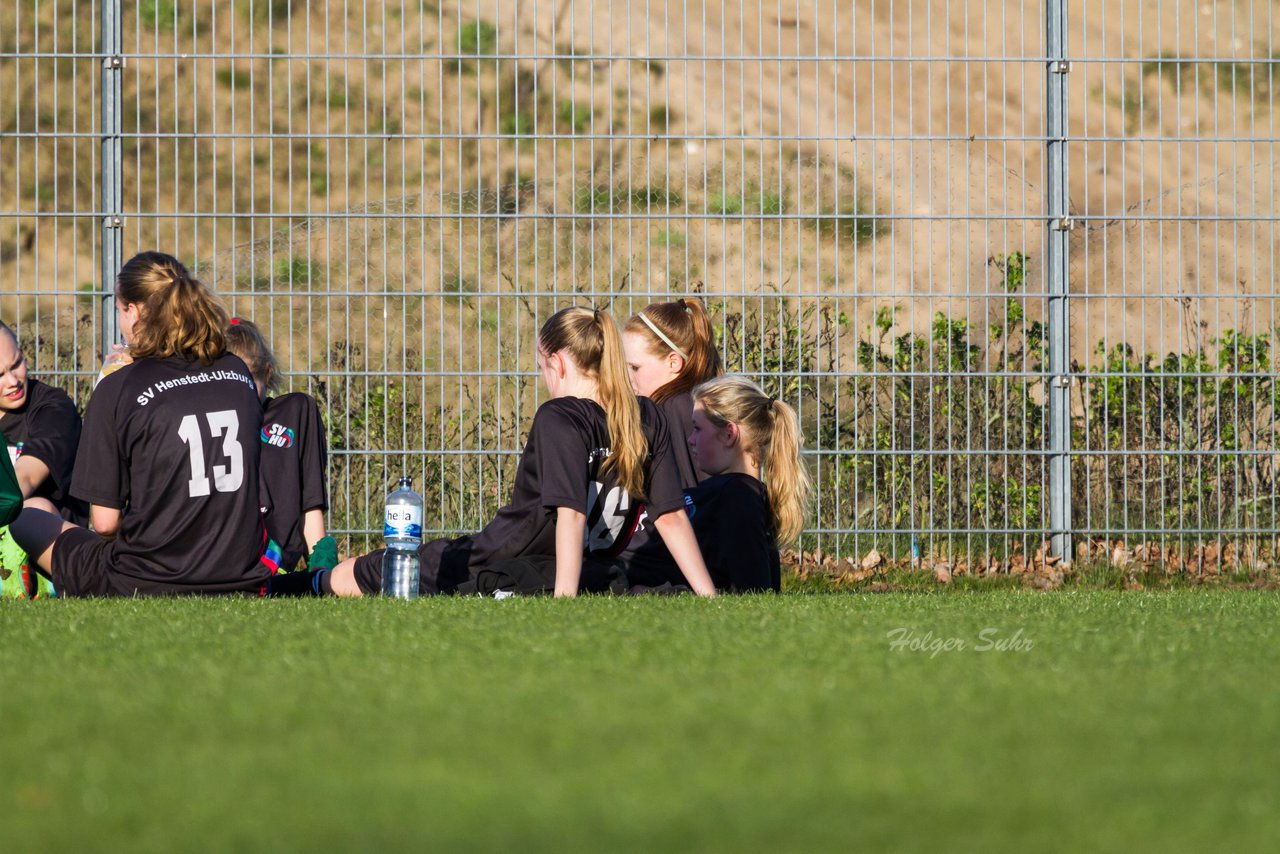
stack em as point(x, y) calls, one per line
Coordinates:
point(675, 362)
point(730, 435)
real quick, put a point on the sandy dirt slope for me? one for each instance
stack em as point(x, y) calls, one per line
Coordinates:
point(926, 115)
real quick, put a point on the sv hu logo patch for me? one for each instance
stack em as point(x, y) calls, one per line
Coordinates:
point(277, 435)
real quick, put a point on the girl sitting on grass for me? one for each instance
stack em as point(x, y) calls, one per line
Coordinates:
point(39, 431)
point(594, 453)
point(292, 466)
point(753, 498)
point(671, 348)
point(168, 458)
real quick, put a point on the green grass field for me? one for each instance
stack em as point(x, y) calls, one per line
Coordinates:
point(1131, 721)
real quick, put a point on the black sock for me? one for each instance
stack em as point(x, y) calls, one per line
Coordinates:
point(309, 583)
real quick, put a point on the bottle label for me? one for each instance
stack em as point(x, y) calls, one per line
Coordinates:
point(403, 520)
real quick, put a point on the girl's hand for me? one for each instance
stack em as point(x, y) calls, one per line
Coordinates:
point(676, 532)
point(116, 359)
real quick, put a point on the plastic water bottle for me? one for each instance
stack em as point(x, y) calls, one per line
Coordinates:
point(402, 530)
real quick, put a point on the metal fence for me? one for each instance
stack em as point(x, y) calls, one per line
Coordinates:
point(1013, 262)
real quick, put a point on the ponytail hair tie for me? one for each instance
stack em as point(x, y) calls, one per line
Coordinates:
point(596, 315)
point(235, 321)
point(772, 400)
point(684, 305)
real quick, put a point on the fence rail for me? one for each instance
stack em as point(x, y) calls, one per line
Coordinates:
point(1014, 263)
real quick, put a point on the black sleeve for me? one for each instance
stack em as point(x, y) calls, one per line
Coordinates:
point(677, 412)
point(664, 491)
point(100, 476)
point(562, 456)
point(53, 432)
point(312, 457)
point(745, 542)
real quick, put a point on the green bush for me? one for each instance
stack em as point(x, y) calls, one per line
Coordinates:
point(479, 38)
point(233, 78)
point(295, 272)
point(723, 204)
point(158, 14)
point(574, 116)
point(621, 199)
point(854, 221)
point(475, 38)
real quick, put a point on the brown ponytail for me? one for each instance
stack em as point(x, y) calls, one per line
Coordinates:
point(685, 323)
point(770, 432)
point(177, 316)
point(593, 341)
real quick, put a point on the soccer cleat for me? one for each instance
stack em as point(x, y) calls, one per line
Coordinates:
point(12, 559)
point(37, 586)
point(18, 578)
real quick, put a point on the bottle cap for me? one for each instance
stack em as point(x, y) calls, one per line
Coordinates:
point(406, 481)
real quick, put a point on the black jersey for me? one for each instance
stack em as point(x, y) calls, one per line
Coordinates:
point(174, 445)
point(48, 429)
point(561, 466)
point(678, 411)
point(730, 517)
point(292, 470)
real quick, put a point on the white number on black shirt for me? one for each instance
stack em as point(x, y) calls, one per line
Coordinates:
point(226, 478)
point(605, 532)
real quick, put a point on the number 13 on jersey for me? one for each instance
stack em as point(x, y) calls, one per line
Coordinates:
point(224, 424)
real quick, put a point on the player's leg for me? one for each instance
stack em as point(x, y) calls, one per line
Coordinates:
point(362, 576)
point(35, 530)
point(342, 580)
point(339, 581)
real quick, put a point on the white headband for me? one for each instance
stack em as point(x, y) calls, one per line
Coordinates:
point(665, 340)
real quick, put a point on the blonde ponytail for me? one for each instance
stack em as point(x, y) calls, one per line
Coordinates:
point(770, 432)
point(786, 478)
point(630, 447)
point(593, 341)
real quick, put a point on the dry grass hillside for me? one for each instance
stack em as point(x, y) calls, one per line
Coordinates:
point(724, 142)
point(410, 189)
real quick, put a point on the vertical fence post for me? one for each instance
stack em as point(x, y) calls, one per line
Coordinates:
point(1059, 226)
point(111, 168)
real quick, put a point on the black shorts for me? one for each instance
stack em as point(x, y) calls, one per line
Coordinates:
point(82, 566)
point(446, 568)
point(534, 575)
point(442, 566)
